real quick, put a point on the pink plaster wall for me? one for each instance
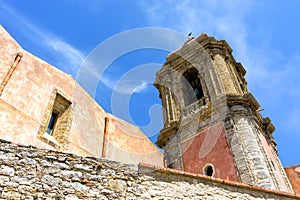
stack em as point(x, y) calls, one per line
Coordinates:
point(127, 142)
point(271, 156)
point(293, 173)
point(26, 97)
point(209, 147)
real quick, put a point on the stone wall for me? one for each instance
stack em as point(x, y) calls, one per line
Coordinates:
point(30, 173)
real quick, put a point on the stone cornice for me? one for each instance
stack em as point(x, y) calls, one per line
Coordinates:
point(166, 133)
point(249, 100)
point(243, 100)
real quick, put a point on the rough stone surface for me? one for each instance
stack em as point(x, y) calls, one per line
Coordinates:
point(30, 173)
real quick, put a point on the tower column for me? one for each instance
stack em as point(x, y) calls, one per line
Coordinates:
point(244, 142)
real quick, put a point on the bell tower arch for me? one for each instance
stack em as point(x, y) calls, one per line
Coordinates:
point(191, 86)
point(212, 123)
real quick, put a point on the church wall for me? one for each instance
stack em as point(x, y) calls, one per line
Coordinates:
point(275, 168)
point(224, 75)
point(209, 147)
point(30, 173)
point(293, 173)
point(126, 142)
point(11, 119)
point(245, 147)
point(87, 130)
point(35, 88)
point(8, 50)
point(248, 144)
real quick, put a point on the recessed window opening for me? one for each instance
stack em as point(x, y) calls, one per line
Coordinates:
point(197, 88)
point(192, 89)
point(208, 170)
point(58, 119)
point(52, 122)
point(170, 165)
point(55, 127)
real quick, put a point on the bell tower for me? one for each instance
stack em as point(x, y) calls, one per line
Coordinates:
point(212, 124)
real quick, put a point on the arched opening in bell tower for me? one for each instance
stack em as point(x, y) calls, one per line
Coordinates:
point(192, 89)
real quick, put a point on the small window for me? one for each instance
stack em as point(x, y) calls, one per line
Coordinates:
point(55, 127)
point(171, 165)
point(52, 122)
point(208, 170)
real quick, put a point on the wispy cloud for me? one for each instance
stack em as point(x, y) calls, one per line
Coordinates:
point(135, 80)
point(130, 87)
point(221, 19)
point(70, 56)
point(64, 55)
point(227, 20)
point(218, 18)
point(126, 87)
point(272, 73)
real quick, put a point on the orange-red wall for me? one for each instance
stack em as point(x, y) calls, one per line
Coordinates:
point(209, 146)
point(293, 174)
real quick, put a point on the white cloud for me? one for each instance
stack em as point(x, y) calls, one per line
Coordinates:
point(123, 86)
point(219, 18)
point(66, 56)
point(69, 54)
point(272, 73)
point(227, 20)
point(130, 88)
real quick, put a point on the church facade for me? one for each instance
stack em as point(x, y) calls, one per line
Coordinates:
point(212, 124)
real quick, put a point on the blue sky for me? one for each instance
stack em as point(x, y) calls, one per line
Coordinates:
point(264, 36)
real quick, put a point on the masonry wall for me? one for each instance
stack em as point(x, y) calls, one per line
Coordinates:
point(28, 99)
point(293, 173)
point(30, 173)
point(245, 151)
